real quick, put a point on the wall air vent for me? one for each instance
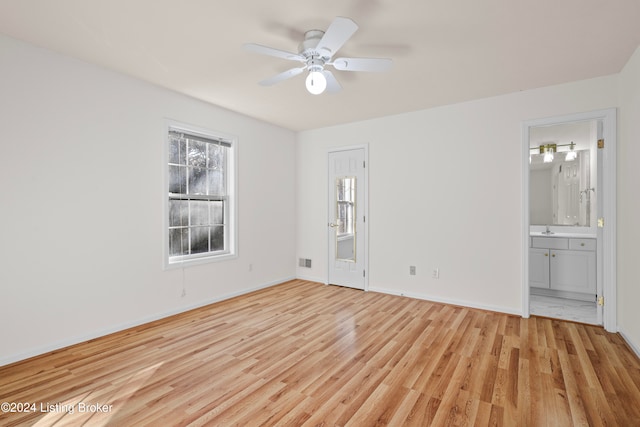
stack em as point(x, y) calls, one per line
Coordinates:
point(304, 262)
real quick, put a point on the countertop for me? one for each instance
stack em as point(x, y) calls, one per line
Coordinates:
point(566, 235)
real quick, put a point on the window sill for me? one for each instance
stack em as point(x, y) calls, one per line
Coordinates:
point(170, 265)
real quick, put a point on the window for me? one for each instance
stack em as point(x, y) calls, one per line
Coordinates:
point(346, 205)
point(200, 196)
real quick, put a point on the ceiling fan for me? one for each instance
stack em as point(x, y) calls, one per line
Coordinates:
point(316, 51)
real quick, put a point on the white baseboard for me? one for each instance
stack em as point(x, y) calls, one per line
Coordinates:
point(311, 279)
point(634, 346)
point(5, 360)
point(431, 298)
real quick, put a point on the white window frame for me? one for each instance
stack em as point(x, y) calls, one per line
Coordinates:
point(231, 211)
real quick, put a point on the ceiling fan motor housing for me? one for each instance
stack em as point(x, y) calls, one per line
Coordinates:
point(308, 46)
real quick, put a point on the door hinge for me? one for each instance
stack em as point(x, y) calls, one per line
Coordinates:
point(364, 164)
point(601, 301)
point(363, 273)
point(600, 222)
point(364, 218)
point(601, 143)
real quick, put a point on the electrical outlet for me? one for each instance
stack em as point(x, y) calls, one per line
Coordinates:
point(412, 270)
point(435, 273)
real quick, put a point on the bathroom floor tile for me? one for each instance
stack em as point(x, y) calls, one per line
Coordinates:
point(562, 308)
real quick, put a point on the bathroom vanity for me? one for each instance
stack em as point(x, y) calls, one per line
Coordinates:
point(563, 265)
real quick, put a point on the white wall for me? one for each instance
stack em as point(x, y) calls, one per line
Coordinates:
point(82, 199)
point(629, 202)
point(445, 192)
point(82, 202)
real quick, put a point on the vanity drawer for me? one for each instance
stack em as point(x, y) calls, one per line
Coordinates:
point(582, 244)
point(550, 242)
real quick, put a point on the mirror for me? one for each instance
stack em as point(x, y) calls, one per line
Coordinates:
point(345, 218)
point(560, 191)
point(562, 188)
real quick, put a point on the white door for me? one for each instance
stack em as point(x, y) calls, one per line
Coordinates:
point(600, 240)
point(347, 215)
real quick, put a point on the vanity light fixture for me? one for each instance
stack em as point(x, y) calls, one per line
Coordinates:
point(571, 154)
point(548, 151)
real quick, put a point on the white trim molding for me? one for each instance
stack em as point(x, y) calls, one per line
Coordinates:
point(12, 358)
point(448, 301)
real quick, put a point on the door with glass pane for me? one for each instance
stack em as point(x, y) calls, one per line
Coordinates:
point(347, 215)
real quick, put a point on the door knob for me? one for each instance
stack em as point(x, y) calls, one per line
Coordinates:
point(332, 225)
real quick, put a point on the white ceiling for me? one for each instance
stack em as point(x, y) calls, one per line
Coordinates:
point(444, 51)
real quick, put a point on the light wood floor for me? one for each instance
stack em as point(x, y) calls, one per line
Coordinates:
point(303, 353)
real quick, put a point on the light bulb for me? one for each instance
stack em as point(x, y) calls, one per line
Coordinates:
point(548, 157)
point(316, 82)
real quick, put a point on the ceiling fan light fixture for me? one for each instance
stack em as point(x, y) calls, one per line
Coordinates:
point(316, 82)
point(316, 51)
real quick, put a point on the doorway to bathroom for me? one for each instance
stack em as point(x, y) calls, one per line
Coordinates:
point(569, 218)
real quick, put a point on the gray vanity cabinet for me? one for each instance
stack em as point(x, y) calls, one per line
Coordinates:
point(539, 268)
point(564, 265)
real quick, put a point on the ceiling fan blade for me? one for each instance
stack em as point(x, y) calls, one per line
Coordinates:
point(362, 64)
point(265, 50)
point(282, 76)
point(340, 30)
point(333, 86)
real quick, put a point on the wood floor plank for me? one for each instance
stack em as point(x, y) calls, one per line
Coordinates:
point(303, 353)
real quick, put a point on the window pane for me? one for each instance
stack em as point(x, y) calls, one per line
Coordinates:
point(177, 179)
point(197, 219)
point(199, 240)
point(177, 150)
point(217, 238)
point(178, 241)
point(178, 213)
point(197, 153)
point(215, 156)
point(215, 180)
point(217, 212)
point(197, 181)
point(199, 213)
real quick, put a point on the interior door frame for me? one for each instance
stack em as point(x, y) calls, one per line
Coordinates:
point(609, 285)
point(364, 209)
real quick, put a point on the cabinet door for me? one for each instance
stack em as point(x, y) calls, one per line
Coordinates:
point(539, 268)
point(573, 271)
